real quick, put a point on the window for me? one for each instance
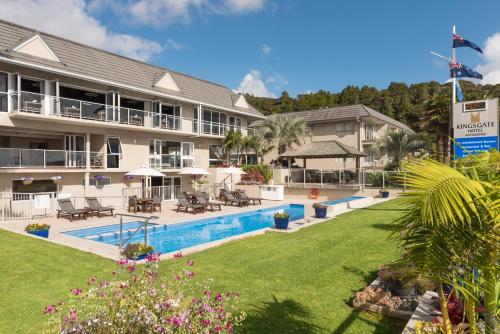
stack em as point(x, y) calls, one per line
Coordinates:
point(99, 183)
point(3, 92)
point(114, 152)
point(187, 154)
point(169, 154)
point(195, 119)
point(213, 122)
point(344, 128)
point(368, 129)
point(215, 155)
point(171, 116)
point(234, 123)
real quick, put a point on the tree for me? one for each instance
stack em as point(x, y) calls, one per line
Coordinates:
point(450, 231)
point(233, 141)
point(282, 132)
point(398, 145)
point(257, 142)
point(436, 119)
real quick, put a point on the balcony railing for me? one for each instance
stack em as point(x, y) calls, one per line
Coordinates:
point(218, 129)
point(4, 97)
point(165, 161)
point(33, 158)
point(325, 177)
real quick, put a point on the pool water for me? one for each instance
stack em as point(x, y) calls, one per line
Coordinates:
point(170, 238)
point(342, 200)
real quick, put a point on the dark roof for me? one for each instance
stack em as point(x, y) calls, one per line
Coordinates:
point(81, 59)
point(323, 149)
point(339, 114)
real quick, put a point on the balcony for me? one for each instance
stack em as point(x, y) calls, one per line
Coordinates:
point(219, 129)
point(34, 158)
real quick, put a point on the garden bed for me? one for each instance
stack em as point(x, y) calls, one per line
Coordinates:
point(381, 300)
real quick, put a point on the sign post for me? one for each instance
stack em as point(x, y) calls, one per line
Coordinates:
point(475, 125)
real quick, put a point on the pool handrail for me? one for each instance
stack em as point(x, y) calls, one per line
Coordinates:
point(146, 221)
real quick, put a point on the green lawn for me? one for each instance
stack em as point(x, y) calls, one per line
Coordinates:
point(289, 283)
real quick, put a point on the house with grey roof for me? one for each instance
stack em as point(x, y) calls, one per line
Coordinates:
point(354, 128)
point(84, 116)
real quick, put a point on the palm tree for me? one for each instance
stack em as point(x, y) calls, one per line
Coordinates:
point(233, 141)
point(246, 144)
point(436, 119)
point(282, 132)
point(258, 143)
point(450, 229)
point(399, 145)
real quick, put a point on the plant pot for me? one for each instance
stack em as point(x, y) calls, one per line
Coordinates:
point(281, 223)
point(398, 289)
point(385, 194)
point(140, 257)
point(40, 233)
point(320, 212)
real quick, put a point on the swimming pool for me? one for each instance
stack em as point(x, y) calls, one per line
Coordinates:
point(171, 238)
point(343, 200)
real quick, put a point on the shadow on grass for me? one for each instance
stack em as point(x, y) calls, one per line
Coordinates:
point(382, 324)
point(287, 316)
point(369, 208)
point(385, 227)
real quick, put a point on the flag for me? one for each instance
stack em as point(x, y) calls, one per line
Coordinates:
point(458, 70)
point(460, 96)
point(459, 41)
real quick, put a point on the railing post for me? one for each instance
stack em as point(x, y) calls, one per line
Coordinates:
point(30, 206)
point(44, 158)
point(121, 233)
point(20, 158)
point(304, 178)
point(321, 177)
point(383, 180)
point(146, 232)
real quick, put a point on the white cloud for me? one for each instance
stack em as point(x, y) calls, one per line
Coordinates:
point(71, 19)
point(253, 84)
point(490, 68)
point(277, 81)
point(238, 7)
point(265, 49)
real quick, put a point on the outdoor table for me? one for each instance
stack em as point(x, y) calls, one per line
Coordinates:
point(144, 203)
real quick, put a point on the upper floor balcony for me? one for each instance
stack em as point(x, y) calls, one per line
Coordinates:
point(36, 158)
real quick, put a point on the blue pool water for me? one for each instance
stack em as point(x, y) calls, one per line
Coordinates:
point(170, 238)
point(342, 200)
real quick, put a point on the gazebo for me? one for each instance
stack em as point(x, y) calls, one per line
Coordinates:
point(322, 150)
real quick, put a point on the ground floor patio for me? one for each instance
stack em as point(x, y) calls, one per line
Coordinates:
point(288, 283)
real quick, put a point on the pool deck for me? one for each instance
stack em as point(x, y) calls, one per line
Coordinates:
point(166, 217)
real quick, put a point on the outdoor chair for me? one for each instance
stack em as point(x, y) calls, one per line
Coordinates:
point(184, 203)
point(156, 203)
point(204, 201)
point(95, 206)
point(243, 195)
point(67, 209)
point(133, 205)
point(230, 198)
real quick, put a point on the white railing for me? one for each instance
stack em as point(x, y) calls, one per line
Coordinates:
point(34, 158)
point(28, 102)
point(165, 161)
point(27, 205)
point(4, 98)
point(217, 129)
point(166, 193)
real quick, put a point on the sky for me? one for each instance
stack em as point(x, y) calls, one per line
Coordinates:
point(264, 47)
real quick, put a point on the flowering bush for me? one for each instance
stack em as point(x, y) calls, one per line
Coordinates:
point(133, 251)
point(252, 177)
point(143, 301)
point(281, 215)
point(36, 227)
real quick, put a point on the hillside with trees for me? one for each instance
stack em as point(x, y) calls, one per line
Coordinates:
point(424, 106)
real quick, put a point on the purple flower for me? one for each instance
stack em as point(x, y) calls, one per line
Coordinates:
point(178, 255)
point(218, 297)
point(153, 258)
point(190, 263)
point(122, 262)
point(131, 268)
point(189, 273)
point(49, 309)
point(76, 292)
point(205, 322)
point(175, 320)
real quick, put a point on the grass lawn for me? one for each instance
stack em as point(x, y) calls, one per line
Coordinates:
point(289, 283)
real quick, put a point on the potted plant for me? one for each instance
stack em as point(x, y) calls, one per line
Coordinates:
point(404, 282)
point(137, 251)
point(40, 230)
point(281, 220)
point(320, 210)
point(384, 193)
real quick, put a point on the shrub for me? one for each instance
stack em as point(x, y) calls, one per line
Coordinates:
point(133, 251)
point(264, 170)
point(281, 215)
point(379, 296)
point(407, 277)
point(143, 301)
point(320, 206)
point(36, 227)
point(252, 177)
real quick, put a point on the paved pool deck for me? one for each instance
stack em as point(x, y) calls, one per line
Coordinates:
point(168, 216)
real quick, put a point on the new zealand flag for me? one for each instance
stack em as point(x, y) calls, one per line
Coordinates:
point(459, 41)
point(458, 70)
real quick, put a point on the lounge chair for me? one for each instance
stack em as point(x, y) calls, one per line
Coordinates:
point(156, 203)
point(133, 205)
point(243, 195)
point(95, 206)
point(184, 203)
point(213, 205)
point(67, 209)
point(230, 198)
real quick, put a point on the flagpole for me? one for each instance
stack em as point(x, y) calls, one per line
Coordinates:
point(453, 61)
point(453, 99)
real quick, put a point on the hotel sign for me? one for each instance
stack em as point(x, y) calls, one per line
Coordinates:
point(475, 126)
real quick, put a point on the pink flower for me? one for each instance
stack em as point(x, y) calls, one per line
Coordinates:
point(189, 273)
point(177, 277)
point(122, 262)
point(236, 295)
point(131, 268)
point(218, 329)
point(113, 273)
point(76, 292)
point(207, 293)
point(205, 322)
point(190, 263)
point(49, 309)
point(153, 258)
point(123, 285)
point(218, 297)
point(178, 255)
point(174, 320)
point(91, 280)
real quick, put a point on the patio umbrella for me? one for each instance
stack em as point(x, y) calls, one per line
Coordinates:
point(145, 171)
point(194, 171)
point(231, 171)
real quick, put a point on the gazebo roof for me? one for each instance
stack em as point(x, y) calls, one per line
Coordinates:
point(323, 150)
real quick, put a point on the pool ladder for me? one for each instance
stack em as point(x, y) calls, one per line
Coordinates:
point(145, 222)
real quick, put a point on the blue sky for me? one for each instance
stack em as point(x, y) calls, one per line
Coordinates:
point(298, 46)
